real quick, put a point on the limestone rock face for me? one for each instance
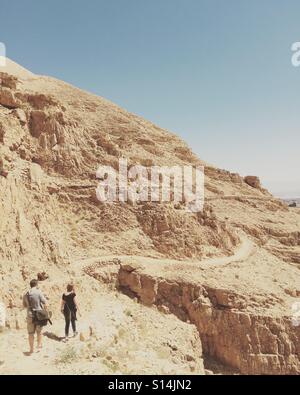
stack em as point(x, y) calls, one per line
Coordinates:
point(8, 81)
point(230, 271)
point(8, 99)
point(251, 342)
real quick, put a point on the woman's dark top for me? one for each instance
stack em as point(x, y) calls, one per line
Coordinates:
point(69, 301)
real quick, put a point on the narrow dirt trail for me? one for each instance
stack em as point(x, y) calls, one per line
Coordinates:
point(119, 337)
point(58, 356)
point(106, 314)
point(242, 253)
point(244, 250)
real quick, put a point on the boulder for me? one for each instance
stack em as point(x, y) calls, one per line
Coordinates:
point(42, 276)
point(8, 99)
point(8, 81)
point(253, 181)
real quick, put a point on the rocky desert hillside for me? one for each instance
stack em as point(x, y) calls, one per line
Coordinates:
point(176, 288)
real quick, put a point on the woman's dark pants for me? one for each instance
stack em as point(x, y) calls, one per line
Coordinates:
point(70, 317)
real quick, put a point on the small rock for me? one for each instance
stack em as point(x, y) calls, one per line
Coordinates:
point(190, 358)
point(81, 337)
point(163, 309)
point(42, 276)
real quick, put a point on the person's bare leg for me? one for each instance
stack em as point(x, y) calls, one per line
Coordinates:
point(31, 343)
point(39, 340)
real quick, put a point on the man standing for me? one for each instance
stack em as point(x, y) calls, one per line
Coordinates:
point(34, 300)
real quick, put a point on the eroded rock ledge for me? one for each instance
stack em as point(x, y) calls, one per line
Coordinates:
point(254, 344)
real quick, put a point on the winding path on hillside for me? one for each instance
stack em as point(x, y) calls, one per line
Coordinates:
point(243, 251)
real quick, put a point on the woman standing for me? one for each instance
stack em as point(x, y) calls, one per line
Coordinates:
point(69, 309)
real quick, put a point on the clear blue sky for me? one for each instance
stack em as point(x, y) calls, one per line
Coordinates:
point(216, 72)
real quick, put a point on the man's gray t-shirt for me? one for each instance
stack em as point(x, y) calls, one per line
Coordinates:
point(36, 300)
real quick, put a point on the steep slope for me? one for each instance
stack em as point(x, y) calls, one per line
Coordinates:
point(12, 68)
point(52, 139)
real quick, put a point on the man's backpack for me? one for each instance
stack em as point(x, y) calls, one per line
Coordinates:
point(39, 317)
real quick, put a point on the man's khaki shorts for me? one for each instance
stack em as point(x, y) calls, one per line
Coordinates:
point(33, 328)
